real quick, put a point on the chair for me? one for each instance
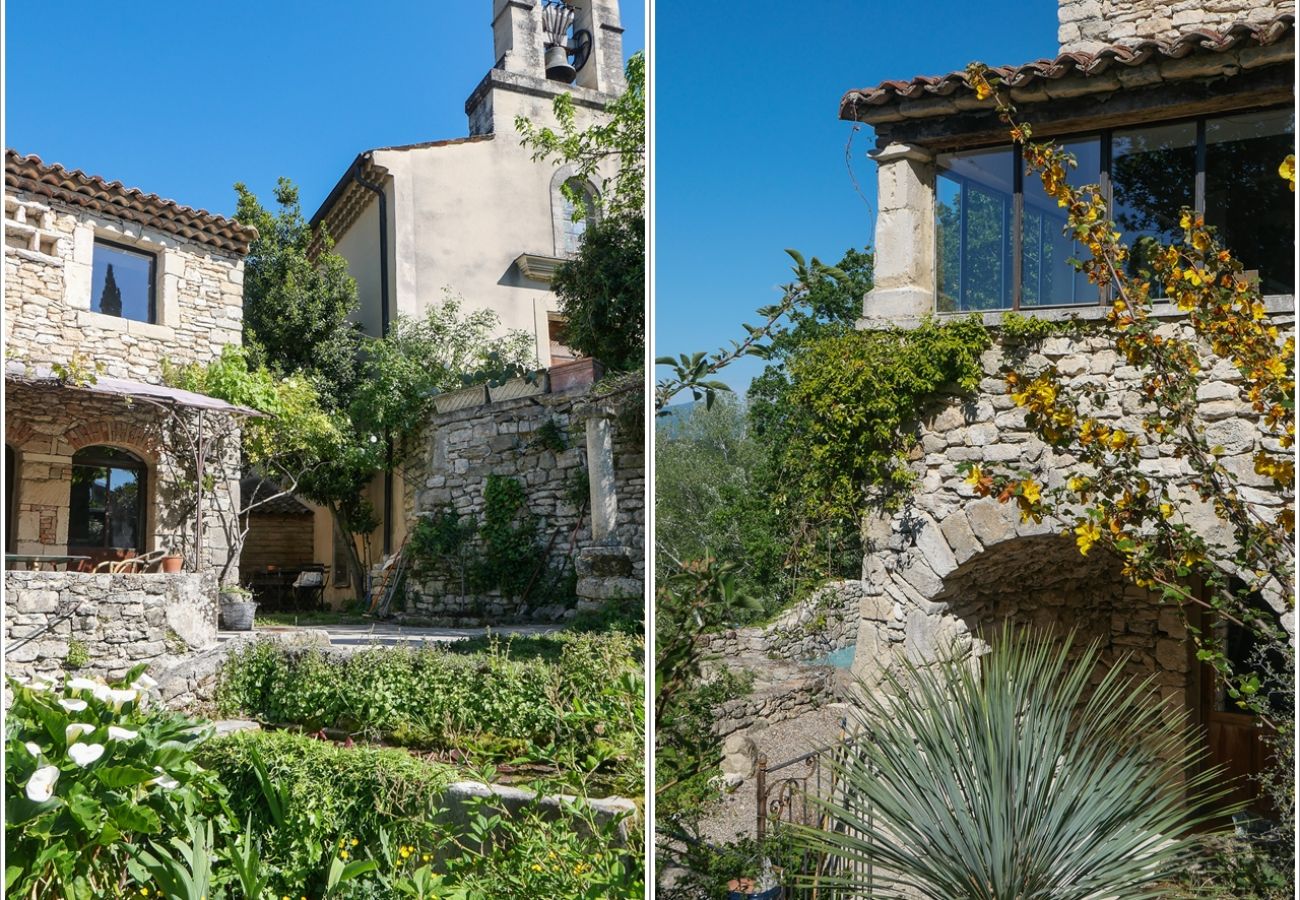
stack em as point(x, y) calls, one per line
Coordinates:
point(131, 563)
point(309, 586)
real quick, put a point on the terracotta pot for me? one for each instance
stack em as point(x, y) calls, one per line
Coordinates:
point(172, 564)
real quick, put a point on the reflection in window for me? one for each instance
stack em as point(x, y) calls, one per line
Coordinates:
point(1153, 174)
point(575, 228)
point(123, 282)
point(1047, 277)
point(107, 508)
point(1244, 197)
point(973, 229)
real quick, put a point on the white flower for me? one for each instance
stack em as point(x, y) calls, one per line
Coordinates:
point(76, 730)
point(85, 754)
point(20, 678)
point(81, 684)
point(72, 705)
point(121, 734)
point(102, 692)
point(33, 748)
point(144, 683)
point(40, 787)
point(118, 697)
point(164, 781)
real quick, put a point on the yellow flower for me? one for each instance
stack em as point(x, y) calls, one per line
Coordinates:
point(982, 90)
point(1287, 170)
point(1201, 241)
point(354, 842)
point(1086, 535)
point(1166, 510)
point(1185, 221)
point(343, 854)
point(1031, 491)
point(1077, 483)
point(537, 867)
point(423, 858)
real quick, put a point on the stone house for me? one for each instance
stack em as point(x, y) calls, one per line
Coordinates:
point(102, 284)
point(1164, 104)
point(475, 215)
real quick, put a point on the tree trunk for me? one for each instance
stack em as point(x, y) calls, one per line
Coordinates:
point(343, 529)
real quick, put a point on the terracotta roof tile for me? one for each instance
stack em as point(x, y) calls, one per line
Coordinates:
point(75, 187)
point(860, 104)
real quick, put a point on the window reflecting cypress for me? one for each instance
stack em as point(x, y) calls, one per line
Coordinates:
point(973, 215)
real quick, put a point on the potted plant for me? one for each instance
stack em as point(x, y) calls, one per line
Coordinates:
point(171, 563)
point(237, 608)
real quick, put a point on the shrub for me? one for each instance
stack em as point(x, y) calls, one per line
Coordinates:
point(1014, 778)
point(90, 774)
point(580, 709)
point(330, 793)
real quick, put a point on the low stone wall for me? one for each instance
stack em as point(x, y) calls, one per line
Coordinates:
point(118, 621)
point(787, 690)
point(823, 622)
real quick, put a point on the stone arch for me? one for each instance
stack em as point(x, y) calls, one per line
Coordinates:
point(18, 432)
point(115, 433)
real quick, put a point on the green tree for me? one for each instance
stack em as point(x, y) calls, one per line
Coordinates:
point(602, 289)
point(297, 304)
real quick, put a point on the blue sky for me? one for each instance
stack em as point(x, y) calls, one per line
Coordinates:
point(750, 154)
point(185, 99)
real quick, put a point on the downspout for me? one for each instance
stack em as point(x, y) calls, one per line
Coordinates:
point(378, 191)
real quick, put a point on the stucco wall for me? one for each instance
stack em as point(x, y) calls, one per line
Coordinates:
point(120, 620)
point(1086, 25)
point(49, 249)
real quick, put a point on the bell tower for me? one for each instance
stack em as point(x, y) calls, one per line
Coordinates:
point(544, 48)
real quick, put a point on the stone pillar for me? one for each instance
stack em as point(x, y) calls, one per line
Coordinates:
point(604, 71)
point(600, 473)
point(904, 280)
point(517, 37)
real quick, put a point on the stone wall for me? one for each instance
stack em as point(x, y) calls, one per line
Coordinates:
point(823, 622)
point(542, 441)
point(949, 569)
point(1086, 25)
point(119, 620)
point(49, 249)
point(785, 691)
point(46, 425)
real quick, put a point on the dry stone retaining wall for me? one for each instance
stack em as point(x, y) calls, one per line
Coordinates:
point(122, 620)
point(517, 439)
point(821, 623)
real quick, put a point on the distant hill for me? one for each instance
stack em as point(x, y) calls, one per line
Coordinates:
point(670, 418)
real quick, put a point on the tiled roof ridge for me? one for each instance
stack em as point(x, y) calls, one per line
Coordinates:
point(30, 173)
point(1261, 33)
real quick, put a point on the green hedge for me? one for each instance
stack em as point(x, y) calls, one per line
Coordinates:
point(573, 700)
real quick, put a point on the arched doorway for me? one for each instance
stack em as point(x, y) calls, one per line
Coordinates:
point(107, 507)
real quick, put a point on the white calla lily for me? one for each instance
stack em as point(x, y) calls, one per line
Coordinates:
point(144, 683)
point(118, 697)
point(71, 704)
point(121, 734)
point(102, 692)
point(165, 781)
point(33, 748)
point(76, 731)
point(81, 684)
point(85, 754)
point(40, 787)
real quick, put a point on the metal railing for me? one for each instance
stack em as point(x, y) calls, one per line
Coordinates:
point(785, 793)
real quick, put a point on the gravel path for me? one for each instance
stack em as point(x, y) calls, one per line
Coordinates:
point(735, 814)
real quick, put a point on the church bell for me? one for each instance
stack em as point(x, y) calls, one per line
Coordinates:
point(558, 67)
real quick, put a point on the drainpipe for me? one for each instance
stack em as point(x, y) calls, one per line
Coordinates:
point(378, 191)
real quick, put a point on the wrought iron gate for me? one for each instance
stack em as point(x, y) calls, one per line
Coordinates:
point(784, 795)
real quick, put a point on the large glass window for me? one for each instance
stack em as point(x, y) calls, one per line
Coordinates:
point(1153, 176)
point(1246, 200)
point(975, 196)
point(987, 213)
point(575, 228)
point(107, 503)
point(123, 282)
point(1047, 277)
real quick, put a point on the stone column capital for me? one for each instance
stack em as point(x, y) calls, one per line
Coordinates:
point(898, 150)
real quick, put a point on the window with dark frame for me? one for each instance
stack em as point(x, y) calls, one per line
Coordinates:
point(999, 240)
point(107, 500)
point(123, 282)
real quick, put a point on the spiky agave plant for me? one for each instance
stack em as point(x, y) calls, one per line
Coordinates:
point(1010, 780)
